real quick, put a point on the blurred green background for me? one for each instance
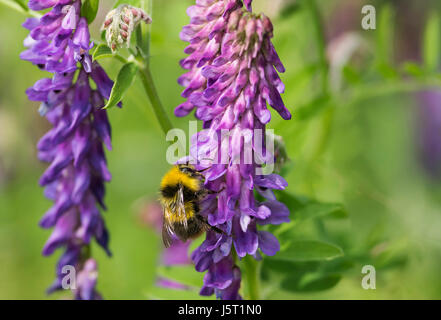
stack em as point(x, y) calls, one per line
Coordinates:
point(358, 137)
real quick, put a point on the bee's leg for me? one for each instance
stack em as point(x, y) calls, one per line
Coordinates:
point(199, 171)
point(218, 230)
point(214, 192)
point(209, 226)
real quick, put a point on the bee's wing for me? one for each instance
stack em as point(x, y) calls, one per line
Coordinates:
point(180, 207)
point(166, 235)
point(167, 231)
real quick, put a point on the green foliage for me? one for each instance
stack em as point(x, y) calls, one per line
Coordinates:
point(311, 282)
point(89, 9)
point(432, 42)
point(303, 277)
point(123, 82)
point(18, 5)
point(102, 51)
point(385, 35)
point(289, 9)
point(185, 275)
point(369, 107)
point(303, 209)
point(134, 3)
point(313, 107)
point(308, 250)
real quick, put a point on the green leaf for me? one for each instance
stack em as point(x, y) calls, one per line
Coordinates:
point(387, 71)
point(134, 3)
point(185, 275)
point(313, 107)
point(309, 250)
point(289, 9)
point(123, 82)
point(319, 210)
point(432, 42)
point(18, 5)
point(157, 293)
point(292, 201)
point(311, 282)
point(351, 75)
point(385, 35)
point(21, 3)
point(102, 51)
point(413, 69)
point(390, 254)
point(303, 209)
point(89, 9)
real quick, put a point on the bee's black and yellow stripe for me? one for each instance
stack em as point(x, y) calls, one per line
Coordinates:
point(182, 190)
point(174, 181)
point(182, 215)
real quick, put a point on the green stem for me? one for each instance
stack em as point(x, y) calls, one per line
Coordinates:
point(143, 32)
point(252, 277)
point(152, 93)
point(311, 5)
point(19, 8)
point(86, 253)
point(327, 117)
point(143, 42)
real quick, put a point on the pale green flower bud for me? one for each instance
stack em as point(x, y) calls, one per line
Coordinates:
point(120, 24)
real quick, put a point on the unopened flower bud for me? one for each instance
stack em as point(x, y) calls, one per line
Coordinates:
point(280, 154)
point(120, 24)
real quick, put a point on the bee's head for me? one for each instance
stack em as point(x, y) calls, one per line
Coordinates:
point(187, 169)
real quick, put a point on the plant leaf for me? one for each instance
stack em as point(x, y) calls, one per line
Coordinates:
point(313, 107)
point(123, 82)
point(289, 9)
point(432, 42)
point(385, 35)
point(309, 250)
point(102, 51)
point(185, 275)
point(134, 3)
point(15, 4)
point(319, 210)
point(89, 9)
point(311, 282)
point(413, 69)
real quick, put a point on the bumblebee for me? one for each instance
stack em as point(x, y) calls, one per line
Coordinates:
point(182, 189)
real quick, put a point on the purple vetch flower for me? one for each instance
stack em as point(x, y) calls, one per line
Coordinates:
point(59, 42)
point(248, 4)
point(86, 282)
point(232, 77)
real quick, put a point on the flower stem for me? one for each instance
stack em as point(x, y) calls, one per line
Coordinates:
point(143, 31)
point(152, 93)
point(17, 6)
point(320, 39)
point(327, 118)
point(143, 42)
point(252, 277)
